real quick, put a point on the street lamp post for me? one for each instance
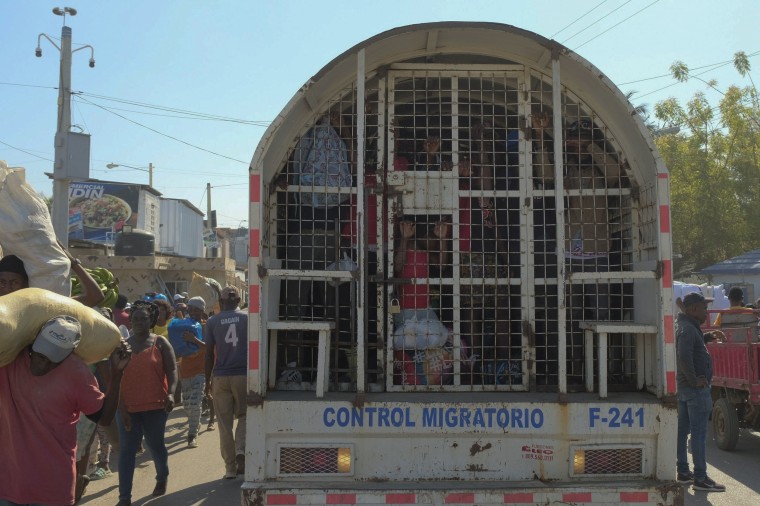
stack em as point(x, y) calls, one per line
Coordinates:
point(61, 169)
point(149, 170)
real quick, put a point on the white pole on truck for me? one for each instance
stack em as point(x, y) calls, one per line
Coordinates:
point(61, 175)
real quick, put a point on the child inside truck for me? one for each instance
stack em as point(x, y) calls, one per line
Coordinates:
point(419, 334)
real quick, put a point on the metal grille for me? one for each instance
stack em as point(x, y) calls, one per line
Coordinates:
point(316, 230)
point(456, 245)
point(608, 461)
point(314, 460)
point(460, 235)
point(598, 237)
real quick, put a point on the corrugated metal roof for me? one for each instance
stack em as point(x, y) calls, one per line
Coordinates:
point(743, 264)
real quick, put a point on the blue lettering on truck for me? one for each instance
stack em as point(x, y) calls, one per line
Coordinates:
point(615, 418)
point(435, 417)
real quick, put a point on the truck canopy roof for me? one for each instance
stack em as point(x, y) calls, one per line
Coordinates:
point(462, 43)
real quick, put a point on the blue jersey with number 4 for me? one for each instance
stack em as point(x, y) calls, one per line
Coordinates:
point(227, 332)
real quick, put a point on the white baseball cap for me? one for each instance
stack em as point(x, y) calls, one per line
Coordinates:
point(58, 338)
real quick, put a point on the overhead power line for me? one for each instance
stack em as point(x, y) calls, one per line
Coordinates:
point(709, 66)
point(25, 151)
point(184, 113)
point(578, 19)
point(174, 110)
point(679, 82)
point(29, 85)
point(162, 170)
point(146, 113)
point(595, 22)
point(616, 24)
point(163, 134)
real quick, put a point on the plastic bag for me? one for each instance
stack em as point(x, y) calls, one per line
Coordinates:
point(177, 328)
point(26, 231)
point(420, 334)
point(325, 164)
point(346, 263)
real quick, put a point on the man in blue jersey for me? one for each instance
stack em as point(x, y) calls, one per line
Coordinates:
point(227, 359)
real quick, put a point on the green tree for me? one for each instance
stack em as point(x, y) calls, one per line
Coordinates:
point(715, 171)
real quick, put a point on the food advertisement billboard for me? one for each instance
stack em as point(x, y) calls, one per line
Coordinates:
point(98, 210)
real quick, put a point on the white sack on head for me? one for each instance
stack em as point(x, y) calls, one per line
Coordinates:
point(26, 231)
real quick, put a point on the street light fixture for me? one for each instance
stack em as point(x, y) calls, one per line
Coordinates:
point(71, 149)
point(149, 170)
point(62, 12)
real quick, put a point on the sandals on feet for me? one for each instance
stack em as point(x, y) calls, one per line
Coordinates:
point(100, 473)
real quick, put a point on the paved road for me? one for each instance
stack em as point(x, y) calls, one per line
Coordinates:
point(738, 470)
point(196, 474)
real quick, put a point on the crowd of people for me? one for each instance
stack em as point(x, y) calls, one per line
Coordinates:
point(56, 411)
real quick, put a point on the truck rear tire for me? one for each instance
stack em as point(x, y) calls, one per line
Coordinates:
point(725, 424)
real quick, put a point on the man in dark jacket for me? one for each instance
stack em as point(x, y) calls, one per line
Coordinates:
point(694, 376)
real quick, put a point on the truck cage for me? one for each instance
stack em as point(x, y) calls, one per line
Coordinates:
point(499, 304)
point(460, 281)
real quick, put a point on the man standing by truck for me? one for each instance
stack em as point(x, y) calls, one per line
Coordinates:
point(694, 377)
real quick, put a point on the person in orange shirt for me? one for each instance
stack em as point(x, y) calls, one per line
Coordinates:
point(148, 384)
point(736, 300)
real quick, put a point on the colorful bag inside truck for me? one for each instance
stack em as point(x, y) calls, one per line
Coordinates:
point(508, 333)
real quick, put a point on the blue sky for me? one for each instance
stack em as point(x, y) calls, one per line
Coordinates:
point(245, 59)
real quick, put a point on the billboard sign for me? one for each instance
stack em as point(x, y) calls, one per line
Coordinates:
point(98, 210)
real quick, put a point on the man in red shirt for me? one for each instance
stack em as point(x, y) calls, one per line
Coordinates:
point(42, 393)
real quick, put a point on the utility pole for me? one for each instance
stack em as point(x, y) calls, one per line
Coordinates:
point(60, 180)
point(64, 151)
point(208, 205)
point(212, 252)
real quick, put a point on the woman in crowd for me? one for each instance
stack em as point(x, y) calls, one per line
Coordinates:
point(165, 314)
point(146, 399)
